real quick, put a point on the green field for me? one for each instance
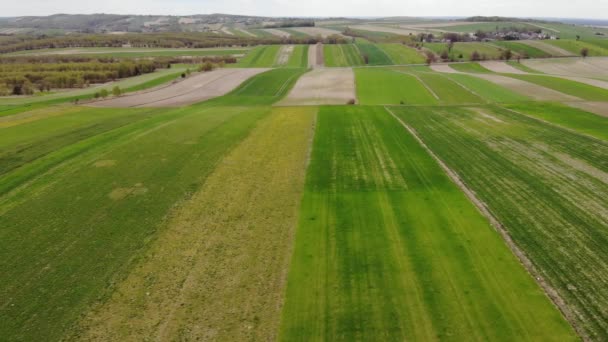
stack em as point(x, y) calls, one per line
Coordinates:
point(299, 57)
point(465, 50)
point(487, 90)
point(379, 86)
point(259, 57)
point(545, 185)
point(448, 91)
point(263, 89)
point(401, 54)
point(53, 269)
point(581, 90)
point(523, 67)
point(374, 53)
point(576, 46)
point(486, 27)
point(522, 49)
point(383, 231)
point(469, 67)
point(342, 55)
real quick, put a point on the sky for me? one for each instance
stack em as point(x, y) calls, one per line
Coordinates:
point(590, 9)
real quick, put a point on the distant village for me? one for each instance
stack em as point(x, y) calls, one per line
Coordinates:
point(485, 36)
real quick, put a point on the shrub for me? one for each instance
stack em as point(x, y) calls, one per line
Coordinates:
point(351, 102)
point(116, 91)
point(103, 93)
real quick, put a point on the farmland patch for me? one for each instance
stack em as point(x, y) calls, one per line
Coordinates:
point(323, 86)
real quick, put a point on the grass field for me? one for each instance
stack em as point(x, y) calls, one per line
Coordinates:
point(78, 226)
point(401, 54)
point(568, 117)
point(554, 194)
point(465, 49)
point(487, 90)
point(299, 57)
point(576, 46)
point(523, 67)
point(255, 213)
point(375, 54)
point(581, 90)
point(447, 91)
point(263, 89)
point(259, 57)
point(469, 67)
point(388, 248)
point(522, 49)
point(379, 86)
point(342, 55)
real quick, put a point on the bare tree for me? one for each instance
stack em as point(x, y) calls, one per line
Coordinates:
point(584, 52)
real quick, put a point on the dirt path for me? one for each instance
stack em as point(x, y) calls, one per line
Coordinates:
point(315, 56)
point(322, 86)
point(501, 67)
point(527, 89)
point(548, 48)
point(197, 88)
point(218, 271)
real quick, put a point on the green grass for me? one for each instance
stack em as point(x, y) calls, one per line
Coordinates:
point(447, 90)
point(40, 132)
point(576, 46)
point(262, 89)
point(522, 49)
point(379, 86)
point(75, 230)
point(388, 248)
point(465, 49)
point(469, 67)
point(259, 57)
point(523, 67)
point(486, 89)
point(376, 56)
point(299, 57)
point(581, 90)
point(341, 55)
point(565, 116)
point(544, 184)
point(401, 54)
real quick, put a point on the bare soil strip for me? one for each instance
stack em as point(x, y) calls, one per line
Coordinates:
point(323, 87)
point(315, 56)
point(219, 269)
point(501, 67)
point(497, 225)
point(227, 31)
point(599, 108)
point(590, 67)
point(317, 31)
point(278, 33)
point(284, 54)
point(548, 48)
point(527, 89)
point(197, 88)
point(444, 68)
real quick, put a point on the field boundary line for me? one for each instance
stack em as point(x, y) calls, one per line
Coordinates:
point(464, 87)
point(421, 81)
point(549, 291)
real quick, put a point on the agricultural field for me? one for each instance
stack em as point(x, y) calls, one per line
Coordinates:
point(371, 215)
point(342, 55)
point(298, 188)
point(553, 190)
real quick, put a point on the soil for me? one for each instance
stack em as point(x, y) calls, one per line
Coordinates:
point(323, 86)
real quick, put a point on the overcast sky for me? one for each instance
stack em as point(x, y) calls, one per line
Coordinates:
point(596, 9)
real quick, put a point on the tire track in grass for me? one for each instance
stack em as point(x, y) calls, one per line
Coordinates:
point(219, 269)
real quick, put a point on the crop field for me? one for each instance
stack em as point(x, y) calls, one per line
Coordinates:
point(342, 55)
point(379, 86)
point(522, 49)
point(400, 54)
point(374, 54)
point(260, 57)
point(316, 187)
point(376, 212)
point(553, 186)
